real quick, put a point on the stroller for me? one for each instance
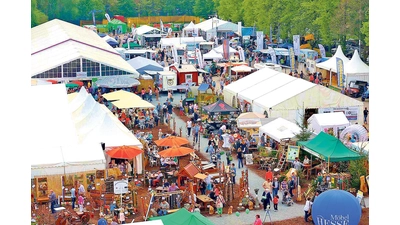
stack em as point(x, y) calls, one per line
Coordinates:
point(287, 199)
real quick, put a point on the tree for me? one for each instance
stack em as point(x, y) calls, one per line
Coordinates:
point(304, 134)
point(37, 17)
point(126, 8)
point(203, 8)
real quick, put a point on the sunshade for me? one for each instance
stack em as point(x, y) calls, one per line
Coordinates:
point(175, 151)
point(329, 148)
point(117, 82)
point(132, 102)
point(203, 87)
point(124, 152)
point(80, 83)
point(121, 94)
point(219, 107)
point(171, 141)
point(183, 217)
point(250, 120)
point(71, 85)
point(242, 68)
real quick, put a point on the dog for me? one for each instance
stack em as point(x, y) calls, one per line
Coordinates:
point(230, 210)
point(210, 209)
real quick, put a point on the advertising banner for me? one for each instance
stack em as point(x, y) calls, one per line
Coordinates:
point(340, 72)
point(321, 50)
point(351, 113)
point(260, 40)
point(292, 59)
point(296, 44)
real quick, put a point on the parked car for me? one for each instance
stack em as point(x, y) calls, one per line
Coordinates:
point(356, 88)
point(365, 95)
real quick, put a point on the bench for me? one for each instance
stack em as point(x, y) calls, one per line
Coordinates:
point(208, 166)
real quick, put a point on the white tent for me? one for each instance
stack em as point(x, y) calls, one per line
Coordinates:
point(145, 29)
point(330, 64)
point(356, 69)
point(288, 101)
point(220, 49)
point(231, 90)
point(168, 42)
point(107, 38)
point(210, 24)
point(279, 129)
point(265, 86)
point(242, 68)
point(320, 122)
point(212, 54)
point(67, 159)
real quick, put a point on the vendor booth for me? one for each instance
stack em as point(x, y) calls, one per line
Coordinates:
point(186, 173)
point(328, 68)
point(219, 107)
point(356, 69)
point(186, 73)
point(183, 217)
point(331, 123)
point(142, 64)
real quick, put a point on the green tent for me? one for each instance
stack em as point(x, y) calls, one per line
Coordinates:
point(115, 24)
point(132, 45)
point(183, 217)
point(329, 148)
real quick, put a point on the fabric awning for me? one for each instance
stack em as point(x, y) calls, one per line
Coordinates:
point(203, 87)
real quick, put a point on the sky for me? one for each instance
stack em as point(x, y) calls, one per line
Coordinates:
point(384, 80)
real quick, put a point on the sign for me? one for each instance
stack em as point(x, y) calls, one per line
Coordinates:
point(260, 40)
point(249, 123)
point(340, 72)
point(296, 44)
point(120, 187)
point(81, 74)
point(293, 152)
point(292, 59)
point(351, 113)
point(311, 65)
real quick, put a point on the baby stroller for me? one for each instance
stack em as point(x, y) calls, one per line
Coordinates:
point(287, 199)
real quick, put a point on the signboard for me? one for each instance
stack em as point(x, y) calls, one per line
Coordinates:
point(293, 152)
point(120, 187)
point(292, 59)
point(260, 40)
point(81, 74)
point(321, 50)
point(351, 113)
point(340, 72)
point(311, 65)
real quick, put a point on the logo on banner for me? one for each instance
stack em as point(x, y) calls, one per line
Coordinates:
point(340, 71)
point(292, 60)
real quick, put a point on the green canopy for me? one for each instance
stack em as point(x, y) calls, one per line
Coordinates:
point(132, 45)
point(115, 24)
point(183, 217)
point(329, 148)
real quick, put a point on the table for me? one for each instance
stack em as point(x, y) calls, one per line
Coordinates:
point(204, 199)
point(161, 189)
point(66, 198)
point(208, 166)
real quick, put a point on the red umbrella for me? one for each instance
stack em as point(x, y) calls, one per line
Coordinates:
point(124, 152)
point(53, 81)
point(175, 151)
point(172, 141)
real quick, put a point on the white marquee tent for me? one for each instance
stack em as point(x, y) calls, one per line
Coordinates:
point(321, 121)
point(279, 129)
point(168, 42)
point(145, 29)
point(231, 90)
point(356, 69)
point(220, 49)
point(265, 86)
point(212, 54)
point(330, 64)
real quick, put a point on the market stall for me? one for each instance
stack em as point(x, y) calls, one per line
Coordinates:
point(331, 123)
point(279, 129)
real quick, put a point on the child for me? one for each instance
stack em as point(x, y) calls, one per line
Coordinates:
point(275, 201)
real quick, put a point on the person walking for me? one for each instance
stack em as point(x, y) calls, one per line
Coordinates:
point(292, 185)
point(307, 209)
point(258, 220)
point(220, 204)
point(365, 115)
point(157, 92)
point(196, 131)
point(275, 187)
point(80, 202)
point(240, 157)
point(266, 199)
point(150, 97)
point(73, 196)
point(210, 150)
point(189, 126)
point(233, 173)
point(276, 201)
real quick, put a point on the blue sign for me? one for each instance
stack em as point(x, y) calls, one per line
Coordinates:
point(336, 207)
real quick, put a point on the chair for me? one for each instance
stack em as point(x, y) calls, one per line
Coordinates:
point(153, 161)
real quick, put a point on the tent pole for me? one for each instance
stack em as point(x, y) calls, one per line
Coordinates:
point(330, 77)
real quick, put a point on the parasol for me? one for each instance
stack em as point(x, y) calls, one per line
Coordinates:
point(71, 85)
point(175, 151)
point(172, 141)
point(124, 152)
point(80, 83)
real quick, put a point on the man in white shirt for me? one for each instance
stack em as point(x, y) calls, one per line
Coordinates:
point(81, 190)
point(189, 127)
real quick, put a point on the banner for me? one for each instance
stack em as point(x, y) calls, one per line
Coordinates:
point(273, 55)
point(270, 34)
point(240, 28)
point(340, 72)
point(311, 65)
point(292, 153)
point(321, 50)
point(260, 40)
point(292, 59)
point(296, 44)
point(199, 58)
point(241, 54)
point(161, 26)
point(225, 47)
point(107, 17)
point(351, 113)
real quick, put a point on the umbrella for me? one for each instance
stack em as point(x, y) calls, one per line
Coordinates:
point(53, 81)
point(175, 151)
point(80, 83)
point(124, 152)
point(172, 141)
point(71, 85)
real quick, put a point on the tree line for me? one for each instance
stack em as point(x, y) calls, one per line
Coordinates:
point(330, 21)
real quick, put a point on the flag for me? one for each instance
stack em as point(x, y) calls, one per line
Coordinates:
point(273, 55)
point(270, 34)
point(225, 47)
point(340, 72)
point(199, 58)
point(322, 50)
point(260, 40)
point(292, 59)
point(161, 26)
point(108, 17)
point(240, 28)
point(241, 54)
point(296, 44)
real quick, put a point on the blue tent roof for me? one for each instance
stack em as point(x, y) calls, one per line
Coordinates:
point(285, 45)
point(141, 70)
point(203, 87)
